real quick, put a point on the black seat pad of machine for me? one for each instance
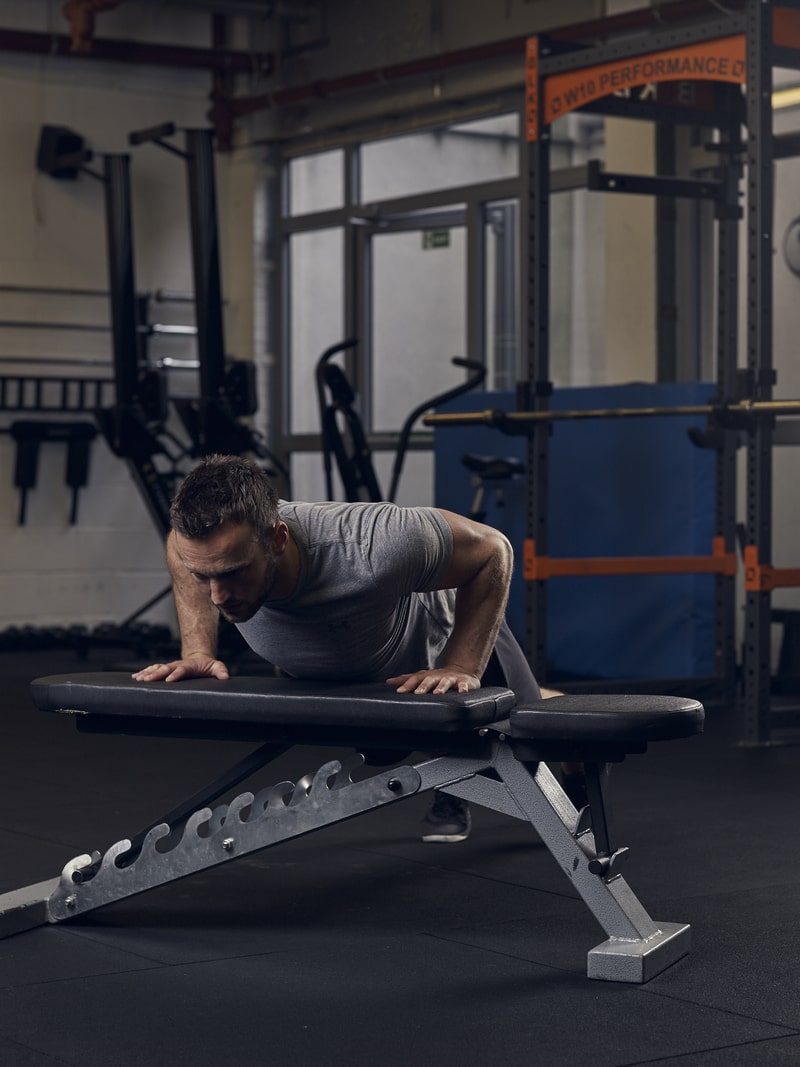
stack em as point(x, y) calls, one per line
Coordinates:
point(626, 718)
point(267, 700)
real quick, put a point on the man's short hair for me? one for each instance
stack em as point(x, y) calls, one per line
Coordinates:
point(224, 489)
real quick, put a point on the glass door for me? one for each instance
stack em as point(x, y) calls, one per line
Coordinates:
point(413, 322)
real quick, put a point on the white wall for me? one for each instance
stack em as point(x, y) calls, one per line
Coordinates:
point(53, 235)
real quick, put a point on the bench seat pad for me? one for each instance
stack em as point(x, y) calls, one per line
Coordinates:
point(269, 700)
point(621, 718)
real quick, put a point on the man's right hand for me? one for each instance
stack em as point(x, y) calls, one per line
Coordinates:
point(197, 665)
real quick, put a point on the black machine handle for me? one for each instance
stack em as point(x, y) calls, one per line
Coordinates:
point(29, 435)
point(477, 377)
point(152, 133)
point(319, 376)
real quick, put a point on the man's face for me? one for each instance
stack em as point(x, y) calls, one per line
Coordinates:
point(238, 572)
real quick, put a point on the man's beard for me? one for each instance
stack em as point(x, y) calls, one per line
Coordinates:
point(243, 613)
point(246, 609)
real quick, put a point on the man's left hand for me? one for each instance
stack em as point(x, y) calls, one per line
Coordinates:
point(438, 680)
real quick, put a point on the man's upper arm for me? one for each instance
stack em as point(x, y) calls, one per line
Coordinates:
point(474, 547)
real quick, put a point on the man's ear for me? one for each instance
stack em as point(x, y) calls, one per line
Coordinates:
point(280, 538)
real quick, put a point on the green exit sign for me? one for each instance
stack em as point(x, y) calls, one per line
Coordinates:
point(436, 239)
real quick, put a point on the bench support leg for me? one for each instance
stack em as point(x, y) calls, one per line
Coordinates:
point(637, 948)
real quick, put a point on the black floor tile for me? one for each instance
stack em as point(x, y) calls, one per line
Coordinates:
point(360, 944)
point(54, 953)
point(26, 859)
point(290, 896)
point(780, 1051)
point(379, 1000)
point(746, 955)
point(13, 1054)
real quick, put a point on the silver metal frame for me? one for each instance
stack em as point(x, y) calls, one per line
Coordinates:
point(636, 948)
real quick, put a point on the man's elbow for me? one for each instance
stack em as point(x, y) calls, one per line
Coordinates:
point(500, 559)
point(504, 548)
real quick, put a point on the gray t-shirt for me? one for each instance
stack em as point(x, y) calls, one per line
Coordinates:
point(366, 605)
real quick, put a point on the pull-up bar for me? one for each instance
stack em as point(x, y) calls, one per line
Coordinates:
point(522, 422)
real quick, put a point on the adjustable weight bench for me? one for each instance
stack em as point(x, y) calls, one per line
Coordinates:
point(470, 753)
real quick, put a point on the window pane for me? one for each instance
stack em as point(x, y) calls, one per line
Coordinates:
point(467, 154)
point(419, 320)
point(502, 293)
point(415, 485)
point(316, 320)
point(308, 477)
point(316, 183)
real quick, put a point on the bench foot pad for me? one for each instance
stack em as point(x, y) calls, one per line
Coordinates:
point(619, 960)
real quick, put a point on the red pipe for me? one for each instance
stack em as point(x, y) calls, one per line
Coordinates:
point(224, 61)
point(321, 90)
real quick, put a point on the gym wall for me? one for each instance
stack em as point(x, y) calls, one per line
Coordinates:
point(111, 560)
point(54, 236)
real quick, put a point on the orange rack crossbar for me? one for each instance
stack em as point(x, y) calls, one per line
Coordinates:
point(762, 578)
point(541, 568)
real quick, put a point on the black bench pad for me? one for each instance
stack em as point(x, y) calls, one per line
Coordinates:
point(269, 701)
point(623, 718)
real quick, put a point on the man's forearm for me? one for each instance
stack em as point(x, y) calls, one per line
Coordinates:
point(198, 620)
point(199, 629)
point(479, 611)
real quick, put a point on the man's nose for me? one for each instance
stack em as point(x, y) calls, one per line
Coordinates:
point(217, 589)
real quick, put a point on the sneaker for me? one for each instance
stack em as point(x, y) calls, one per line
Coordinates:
point(448, 819)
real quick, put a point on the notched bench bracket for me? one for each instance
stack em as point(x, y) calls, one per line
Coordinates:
point(211, 837)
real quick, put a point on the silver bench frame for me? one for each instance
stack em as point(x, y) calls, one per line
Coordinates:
point(636, 948)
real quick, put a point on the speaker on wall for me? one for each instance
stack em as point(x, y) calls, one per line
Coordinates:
point(60, 152)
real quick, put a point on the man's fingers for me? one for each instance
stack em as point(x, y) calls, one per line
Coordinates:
point(179, 669)
point(436, 682)
point(403, 683)
point(154, 673)
point(157, 672)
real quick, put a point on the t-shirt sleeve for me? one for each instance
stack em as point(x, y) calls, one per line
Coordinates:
point(410, 547)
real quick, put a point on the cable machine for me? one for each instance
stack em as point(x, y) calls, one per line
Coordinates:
point(227, 388)
point(135, 424)
point(132, 425)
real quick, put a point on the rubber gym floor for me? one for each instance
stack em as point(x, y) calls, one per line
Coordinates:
point(361, 945)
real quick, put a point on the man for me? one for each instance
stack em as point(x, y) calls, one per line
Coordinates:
point(368, 592)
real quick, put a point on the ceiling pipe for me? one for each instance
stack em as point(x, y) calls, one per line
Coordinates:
point(223, 60)
point(226, 108)
point(640, 19)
